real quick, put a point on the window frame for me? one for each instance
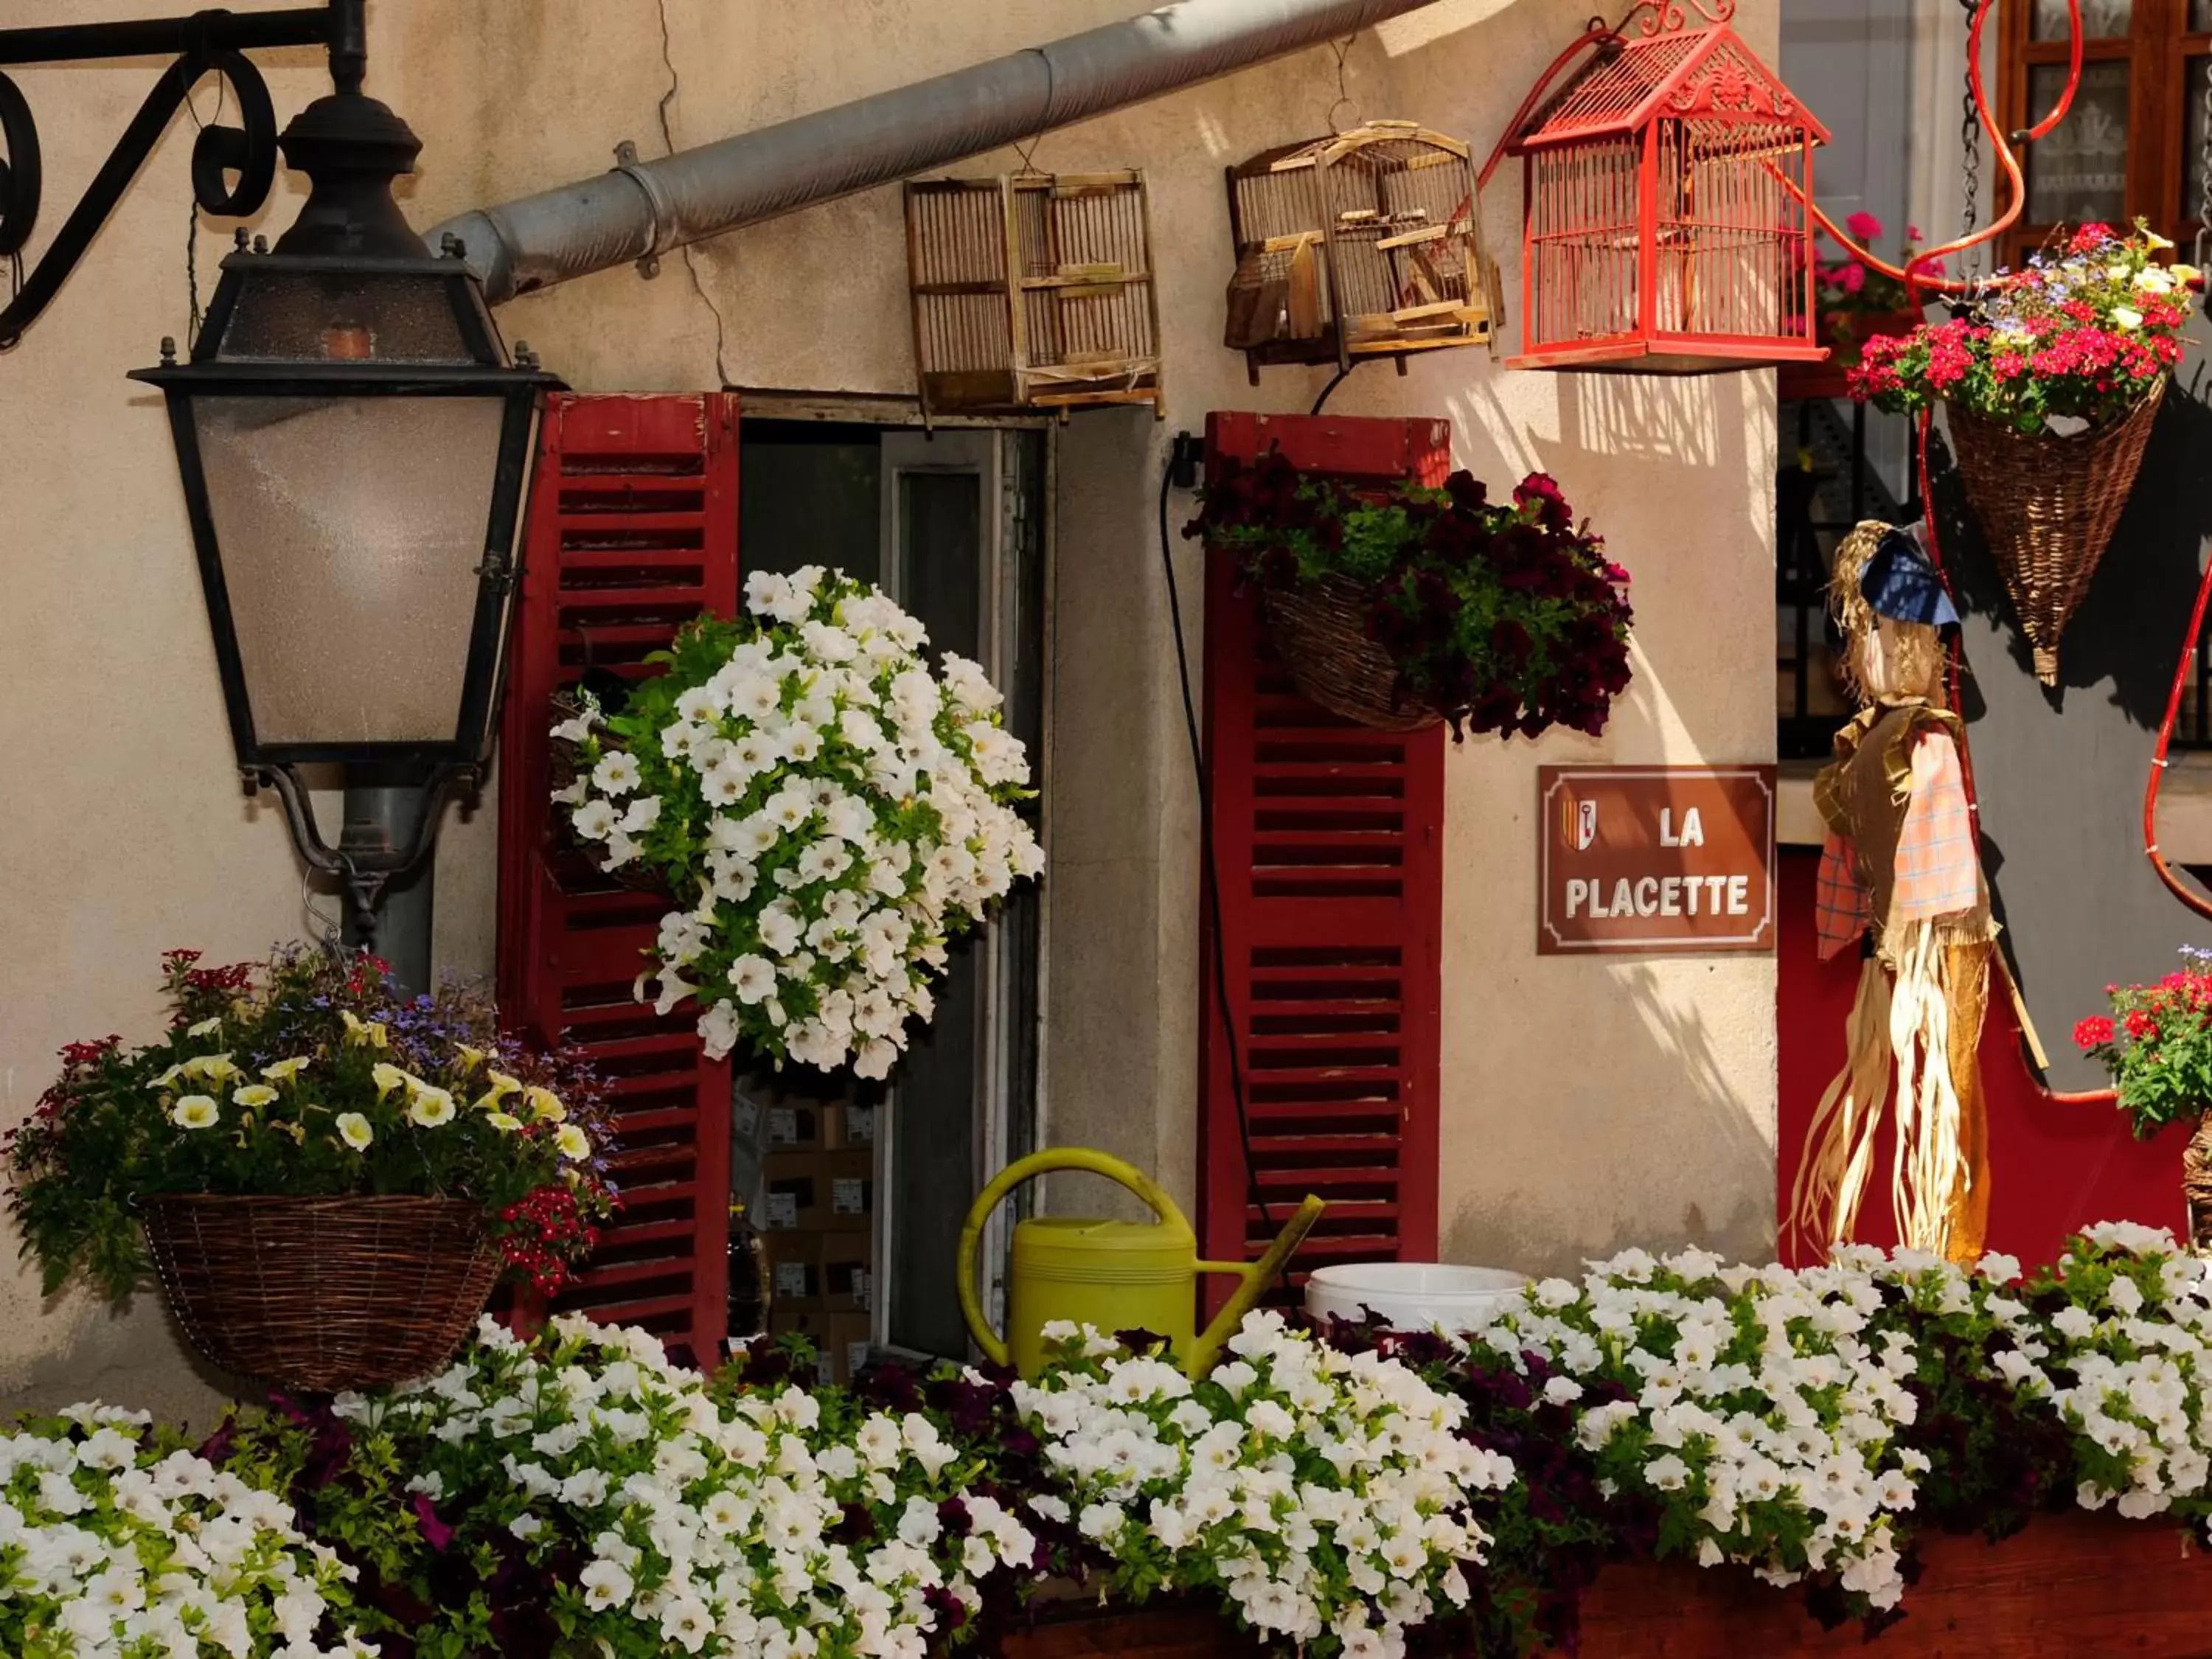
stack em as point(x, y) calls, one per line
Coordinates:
point(2158, 49)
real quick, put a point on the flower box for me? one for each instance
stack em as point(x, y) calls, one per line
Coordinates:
point(2071, 1583)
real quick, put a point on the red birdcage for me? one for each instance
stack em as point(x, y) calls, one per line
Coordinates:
point(1664, 226)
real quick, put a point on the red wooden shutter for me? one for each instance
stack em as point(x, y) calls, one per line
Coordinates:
point(1327, 837)
point(633, 530)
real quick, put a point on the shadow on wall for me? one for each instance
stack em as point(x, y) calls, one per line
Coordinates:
point(1663, 1154)
point(2060, 772)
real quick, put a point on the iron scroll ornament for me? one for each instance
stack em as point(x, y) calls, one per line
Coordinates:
point(247, 150)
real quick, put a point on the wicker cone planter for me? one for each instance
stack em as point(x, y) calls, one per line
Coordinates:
point(1320, 631)
point(2197, 1184)
point(321, 1294)
point(2048, 506)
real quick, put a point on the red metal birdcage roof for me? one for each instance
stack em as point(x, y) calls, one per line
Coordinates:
point(1704, 72)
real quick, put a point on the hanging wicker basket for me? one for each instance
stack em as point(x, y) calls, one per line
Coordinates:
point(2196, 1185)
point(321, 1294)
point(1320, 631)
point(2047, 506)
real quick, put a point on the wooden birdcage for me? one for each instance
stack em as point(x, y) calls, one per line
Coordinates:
point(1664, 225)
point(1362, 244)
point(1033, 290)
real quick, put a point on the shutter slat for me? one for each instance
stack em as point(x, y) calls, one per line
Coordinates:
point(1328, 840)
point(632, 532)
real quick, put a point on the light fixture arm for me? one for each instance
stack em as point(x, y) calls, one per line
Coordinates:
point(363, 871)
point(209, 42)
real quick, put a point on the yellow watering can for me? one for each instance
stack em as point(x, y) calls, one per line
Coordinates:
point(1110, 1275)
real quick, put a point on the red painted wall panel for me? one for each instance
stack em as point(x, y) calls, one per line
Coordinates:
point(2055, 1167)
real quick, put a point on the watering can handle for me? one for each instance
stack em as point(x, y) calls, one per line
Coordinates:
point(1022, 1170)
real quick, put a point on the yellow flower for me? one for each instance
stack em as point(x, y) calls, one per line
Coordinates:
point(505, 1122)
point(168, 1079)
point(470, 1058)
point(2125, 317)
point(427, 1108)
point(206, 1028)
point(366, 1032)
point(572, 1142)
point(544, 1104)
point(2156, 243)
point(2187, 275)
point(2151, 280)
point(216, 1068)
point(253, 1094)
point(502, 1086)
point(195, 1112)
point(285, 1070)
point(353, 1129)
point(388, 1077)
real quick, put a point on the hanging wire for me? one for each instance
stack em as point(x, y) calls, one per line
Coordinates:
point(195, 316)
point(1344, 98)
point(1028, 151)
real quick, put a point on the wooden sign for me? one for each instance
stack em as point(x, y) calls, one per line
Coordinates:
point(1655, 858)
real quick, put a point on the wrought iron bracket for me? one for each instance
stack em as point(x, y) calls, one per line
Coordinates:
point(364, 871)
point(206, 43)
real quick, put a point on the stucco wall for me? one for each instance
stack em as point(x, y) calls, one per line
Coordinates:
point(1586, 1104)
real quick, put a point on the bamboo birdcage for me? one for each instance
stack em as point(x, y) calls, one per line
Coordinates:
point(1365, 243)
point(1664, 225)
point(1033, 290)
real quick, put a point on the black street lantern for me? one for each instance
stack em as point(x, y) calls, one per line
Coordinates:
point(354, 440)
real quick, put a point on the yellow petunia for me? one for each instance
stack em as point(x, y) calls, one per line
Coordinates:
point(369, 1031)
point(503, 1085)
point(428, 1107)
point(195, 1112)
point(388, 1077)
point(169, 1079)
point(206, 1028)
point(505, 1122)
point(544, 1105)
point(353, 1129)
point(2156, 243)
point(470, 1058)
point(283, 1071)
point(572, 1142)
point(252, 1094)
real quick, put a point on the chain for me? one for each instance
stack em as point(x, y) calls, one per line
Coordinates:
point(2204, 178)
point(1970, 145)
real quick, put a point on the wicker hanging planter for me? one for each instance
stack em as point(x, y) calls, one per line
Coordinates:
point(1320, 631)
point(2196, 1185)
point(322, 1294)
point(2048, 506)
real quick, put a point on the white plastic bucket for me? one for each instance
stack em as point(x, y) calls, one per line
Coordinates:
point(1414, 1296)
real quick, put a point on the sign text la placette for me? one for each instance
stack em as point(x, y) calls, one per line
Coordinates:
point(1655, 858)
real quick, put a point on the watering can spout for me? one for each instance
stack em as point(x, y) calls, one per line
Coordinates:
point(1206, 1347)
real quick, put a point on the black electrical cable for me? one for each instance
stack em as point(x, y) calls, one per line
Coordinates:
point(1208, 867)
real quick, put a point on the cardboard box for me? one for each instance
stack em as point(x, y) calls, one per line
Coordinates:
point(852, 1182)
point(797, 1126)
point(845, 1344)
point(850, 1125)
point(795, 1278)
point(795, 1192)
point(849, 1272)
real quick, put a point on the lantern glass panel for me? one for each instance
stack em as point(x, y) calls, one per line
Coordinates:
point(351, 531)
point(349, 317)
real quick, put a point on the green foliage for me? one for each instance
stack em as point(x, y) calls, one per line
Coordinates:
point(2156, 1045)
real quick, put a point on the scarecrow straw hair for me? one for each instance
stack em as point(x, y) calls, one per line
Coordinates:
point(1916, 652)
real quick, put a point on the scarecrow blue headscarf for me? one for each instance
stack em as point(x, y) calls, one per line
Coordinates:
point(1900, 582)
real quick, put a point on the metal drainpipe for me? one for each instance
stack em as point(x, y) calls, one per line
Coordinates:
point(644, 209)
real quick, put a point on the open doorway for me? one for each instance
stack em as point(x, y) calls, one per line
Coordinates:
point(860, 1189)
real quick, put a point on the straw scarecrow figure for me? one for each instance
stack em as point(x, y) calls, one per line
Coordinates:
point(1902, 878)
